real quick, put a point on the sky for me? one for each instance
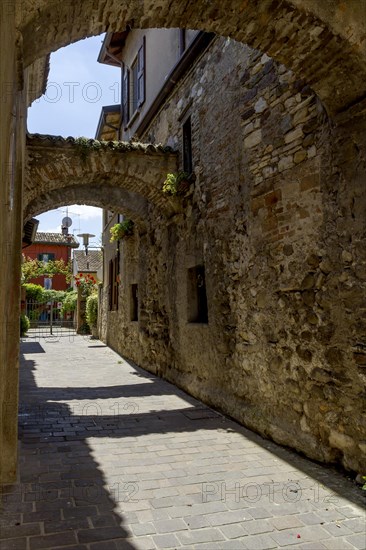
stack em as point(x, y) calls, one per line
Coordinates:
point(78, 87)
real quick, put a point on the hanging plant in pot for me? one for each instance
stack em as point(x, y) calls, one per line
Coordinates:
point(120, 230)
point(176, 183)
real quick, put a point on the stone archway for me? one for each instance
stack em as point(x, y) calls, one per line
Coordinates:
point(106, 197)
point(127, 177)
point(323, 44)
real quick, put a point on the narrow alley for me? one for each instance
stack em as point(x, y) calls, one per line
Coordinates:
point(112, 457)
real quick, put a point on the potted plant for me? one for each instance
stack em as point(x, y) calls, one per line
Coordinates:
point(120, 230)
point(176, 183)
point(86, 284)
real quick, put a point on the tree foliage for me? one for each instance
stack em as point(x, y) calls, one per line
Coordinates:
point(37, 293)
point(70, 302)
point(33, 292)
point(33, 268)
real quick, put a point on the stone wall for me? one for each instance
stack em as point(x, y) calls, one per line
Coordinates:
point(11, 174)
point(324, 42)
point(276, 216)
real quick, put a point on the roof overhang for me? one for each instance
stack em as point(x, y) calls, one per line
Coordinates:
point(112, 46)
point(29, 231)
point(109, 123)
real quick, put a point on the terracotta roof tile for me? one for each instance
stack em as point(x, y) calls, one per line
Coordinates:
point(56, 238)
point(90, 263)
point(46, 140)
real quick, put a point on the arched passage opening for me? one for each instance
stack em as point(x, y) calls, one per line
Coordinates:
point(263, 199)
point(317, 50)
point(64, 165)
point(107, 197)
point(324, 44)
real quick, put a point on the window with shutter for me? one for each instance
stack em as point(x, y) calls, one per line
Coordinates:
point(134, 86)
point(110, 284)
point(125, 95)
point(141, 74)
point(113, 283)
point(46, 257)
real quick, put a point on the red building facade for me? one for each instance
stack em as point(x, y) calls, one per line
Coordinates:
point(51, 246)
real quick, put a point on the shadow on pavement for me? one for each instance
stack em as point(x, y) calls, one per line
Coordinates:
point(61, 483)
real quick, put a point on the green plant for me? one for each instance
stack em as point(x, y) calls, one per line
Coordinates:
point(84, 329)
point(171, 184)
point(87, 284)
point(85, 145)
point(364, 485)
point(34, 314)
point(69, 303)
point(33, 292)
point(24, 324)
point(54, 295)
point(33, 268)
point(92, 310)
point(120, 230)
point(36, 293)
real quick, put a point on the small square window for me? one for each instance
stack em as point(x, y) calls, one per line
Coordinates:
point(197, 298)
point(187, 146)
point(134, 304)
point(47, 283)
point(46, 257)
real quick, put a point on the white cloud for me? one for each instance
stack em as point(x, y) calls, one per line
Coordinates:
point(86, 219)
point(85, 212)
point(50, 229)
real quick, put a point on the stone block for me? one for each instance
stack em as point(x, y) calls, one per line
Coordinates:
point(308, 140)
point(293, 135)
point(300, 156)
point(340, 440)
point(253, 139)
point(52, 541)
point(260, 105)
point(312, 152)
point(285, 163)
point(248, 128)
point(248, 113)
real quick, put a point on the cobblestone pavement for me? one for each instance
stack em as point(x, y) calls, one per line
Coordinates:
point(112, 457)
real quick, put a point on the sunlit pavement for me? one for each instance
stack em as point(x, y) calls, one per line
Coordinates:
point(112, 457)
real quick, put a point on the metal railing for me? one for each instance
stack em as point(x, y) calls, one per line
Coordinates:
point(46, 318)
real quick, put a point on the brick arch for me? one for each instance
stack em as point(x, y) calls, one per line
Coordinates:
point(324, 45)
point(128, 177)
point(124, 202)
